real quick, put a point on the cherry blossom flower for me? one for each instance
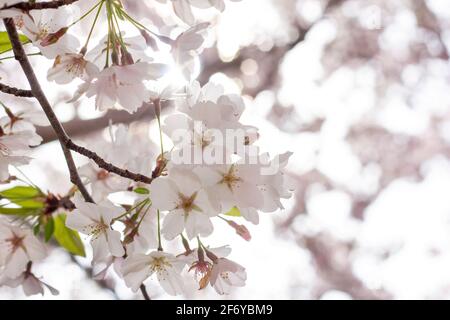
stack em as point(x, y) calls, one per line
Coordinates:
point(226, 274)
point(122, 87)
point(31, 285)
point(187, 204)
point(70, 66)
point(13, 148)
point(205, 128)
point(7, 160)
point(137, 9)
point(101, 267)
point(200, 264)
point(187, 47)
point(183, 8)
point(101, 181)
point(275, 187)
point(95, 221)
point(230, 106)
point(138, 267)
point(144, 236)
point(40, 24)
point(18, 246)
point(233, 185)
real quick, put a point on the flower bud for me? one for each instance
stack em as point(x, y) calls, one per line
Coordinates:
point(149, 40)
point(126, 58)
point(52, 38)
point(241, 230)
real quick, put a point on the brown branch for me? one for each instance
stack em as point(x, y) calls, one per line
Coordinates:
point(15, 91)
point(144, 292)
point(21, 57)
point(106, 165)
point(27, 6)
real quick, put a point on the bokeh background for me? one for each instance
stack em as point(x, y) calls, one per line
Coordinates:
point(359, 90)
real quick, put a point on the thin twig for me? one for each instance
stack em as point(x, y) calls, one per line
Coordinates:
point(36, 89)
point(27, 6)
point(106, 165)
point(15, 91)
point(144, 292)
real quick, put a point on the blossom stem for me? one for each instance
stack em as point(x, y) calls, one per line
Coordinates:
point(137, 24)
point(108, 44)
point(28, 55)
point(210, 255)
point(93, 25)
point(122, 43)
point(143, 216)
point(86, 14)
point(219, 216)
point(142, 203)
point(160, 248)
point(28, 180)
point(112, 31)
point(185, 243)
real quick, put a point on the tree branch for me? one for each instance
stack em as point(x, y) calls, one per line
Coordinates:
point(21, 57)
point(27, 6)
point(144, 292)
point(106, 165)
point(15, 91)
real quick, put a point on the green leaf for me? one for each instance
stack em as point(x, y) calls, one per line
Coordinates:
point(49, 229)
point(23, 212)
point(142, 191)
point(5, 44)
point(23, 196)
point(234, 212)
point(67, 238)
point(29, 204)
point(20, 192)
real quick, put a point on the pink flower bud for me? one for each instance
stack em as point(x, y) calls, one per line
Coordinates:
point(241, 230)
point(149, 40)
point(52, 38)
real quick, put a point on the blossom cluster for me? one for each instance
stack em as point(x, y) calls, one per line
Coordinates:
point(212, 171)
